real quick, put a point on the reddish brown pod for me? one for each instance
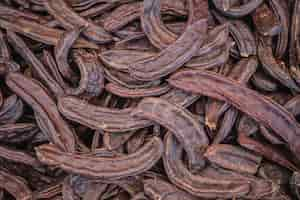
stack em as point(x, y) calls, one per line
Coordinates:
point(252, 103)
point(149, 99)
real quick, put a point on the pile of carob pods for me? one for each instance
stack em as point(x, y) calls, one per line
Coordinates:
point(149, 99)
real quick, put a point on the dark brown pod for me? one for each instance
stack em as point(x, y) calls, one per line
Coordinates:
point(267, 112)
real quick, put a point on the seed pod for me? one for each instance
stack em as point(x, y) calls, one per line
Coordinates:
point(96, 117)
point(99, 167)
point(54, 125)
point(69, 19)
point(228, 8)
point(186, 129)
point(266, 112)
point(16, 186)
point(169, 60)
point(40, 32)
point(233, 158)
point(198, 185)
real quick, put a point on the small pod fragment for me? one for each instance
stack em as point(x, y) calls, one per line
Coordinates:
point(295, 184)
point(226, 7)
point(4, 50)
point(275, 173)
point(7, 65)
point(233, 158)
point(1, 99)
point(91, 82)
point(48, 192)
point(262, 82)
point(274, 68)
point(247, 125)
point(94, 191)
point(158, 189)
point(113, 141)
point(227, 125)
point(241, 34)
point(265, 21)
point(61, 51)
point(180, 97)
point(11, 110)
point(133, 184)
point(68, 192)
point(293, 105)
point(136, 141)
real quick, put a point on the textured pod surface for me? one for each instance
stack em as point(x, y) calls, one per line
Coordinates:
point(174, 56)
point(201, 186)
point(16, 186)
point(31, 91)
point(40, 32)
point(159, 189)
point(99, 167)
point(135, 93)
point(70, 19)
point(90, 88)
point(97, 117)
point(178, 121)
point(234, 158)
point(228, 8)
point(267, 112)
